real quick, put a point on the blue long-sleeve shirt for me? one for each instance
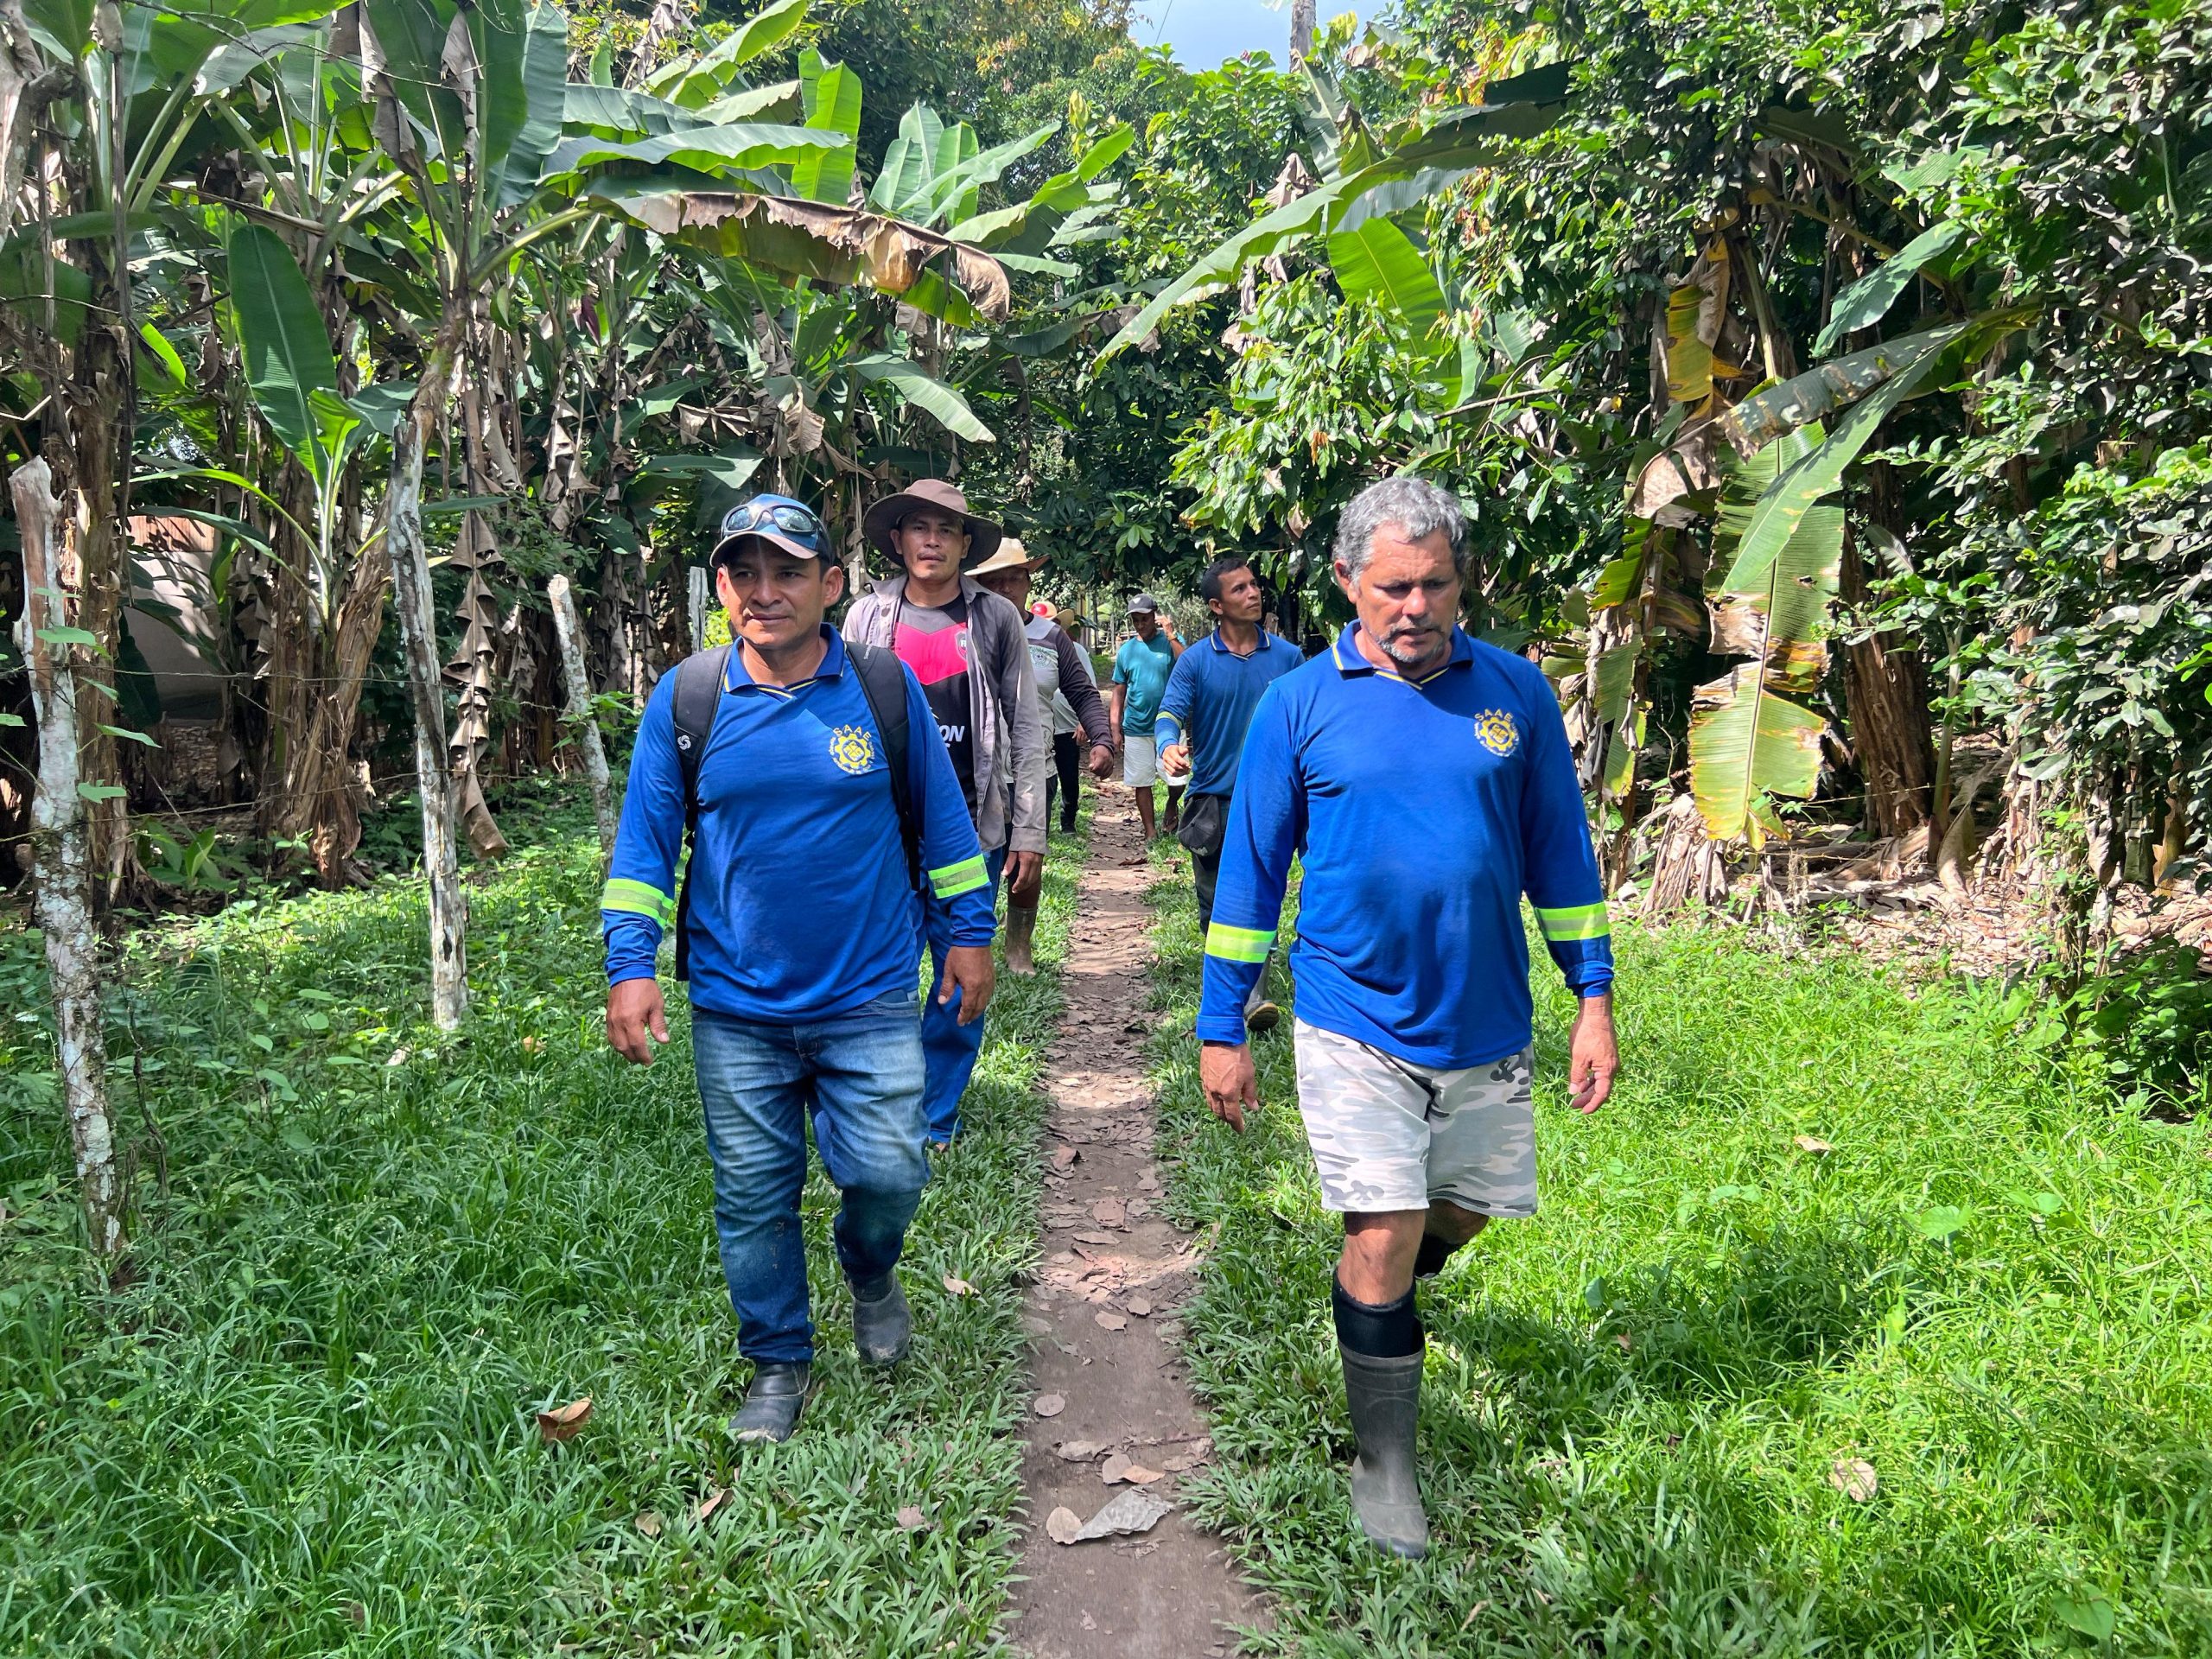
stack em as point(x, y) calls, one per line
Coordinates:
point(1209, 702)
point(800, 905)
point(1422, 810)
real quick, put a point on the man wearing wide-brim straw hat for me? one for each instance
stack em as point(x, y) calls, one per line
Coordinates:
point(966, 646)
point(1073, 711)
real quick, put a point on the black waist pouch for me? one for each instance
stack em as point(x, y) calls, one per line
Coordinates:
point(1205, 825)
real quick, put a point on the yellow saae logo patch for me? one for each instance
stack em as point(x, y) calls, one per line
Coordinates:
point(853, 749)
point(1495, 731)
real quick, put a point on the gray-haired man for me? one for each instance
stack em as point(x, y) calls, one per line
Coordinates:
point(1424, 780)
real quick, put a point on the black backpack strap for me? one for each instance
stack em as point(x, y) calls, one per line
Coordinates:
point(883, 679)
point(700, 679)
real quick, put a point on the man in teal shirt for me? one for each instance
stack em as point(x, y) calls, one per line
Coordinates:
point(1140, 671)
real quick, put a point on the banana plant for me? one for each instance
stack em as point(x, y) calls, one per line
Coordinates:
point(1753, 739)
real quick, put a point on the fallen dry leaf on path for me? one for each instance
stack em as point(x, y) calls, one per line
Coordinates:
point(1110, 1212)
point(709, 1504)
point(1854, 1479)
point(958, 1286)
point(1078, 1450)
point(1048, 1405)
point(1139, 1307)
point(562, 1424)
point(1131, 1510)
point(648, 1524)
point(910, 1519)
point(1813, 1144)
point(1062, 1526)
point(1111, 1321)
point(1063, 1157)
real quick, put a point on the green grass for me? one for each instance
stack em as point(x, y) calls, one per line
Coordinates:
point(1993, 1290)
point(307, 1426)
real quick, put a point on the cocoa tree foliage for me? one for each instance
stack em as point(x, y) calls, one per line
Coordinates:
point(1088, 463)
point(1005, 66)
point(1712, 216)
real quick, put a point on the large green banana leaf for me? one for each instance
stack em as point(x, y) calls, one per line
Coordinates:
point(1750, 736)
point(1867, 301)
point(831, 95)
point(1378, 262)
point(917, 386)
point(287, 350)
point(1871, 382)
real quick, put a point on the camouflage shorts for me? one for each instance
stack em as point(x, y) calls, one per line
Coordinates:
point(1389, 1134)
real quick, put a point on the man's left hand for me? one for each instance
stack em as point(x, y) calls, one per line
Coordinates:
point(1102, 761)
point(1024, 875)
point(968, 970)
point(1593, 1056)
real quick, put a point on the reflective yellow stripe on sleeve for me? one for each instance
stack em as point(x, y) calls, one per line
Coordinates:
point(1574, 922)
point(1239, 944)
point(953, 880)
point(637, 899)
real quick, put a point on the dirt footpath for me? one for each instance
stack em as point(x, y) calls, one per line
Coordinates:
point(1113, 1422)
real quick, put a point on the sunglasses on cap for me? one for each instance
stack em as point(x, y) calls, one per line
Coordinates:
point(788, 517)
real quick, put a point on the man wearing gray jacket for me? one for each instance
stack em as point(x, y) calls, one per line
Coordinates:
point(965, 645)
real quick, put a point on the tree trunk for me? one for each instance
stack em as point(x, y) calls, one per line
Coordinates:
point(1886, 688)
point(1301, 28)
point(318, 799)
point(63, 874)
point(410, 592)
point(577, 674)
point(95, 402)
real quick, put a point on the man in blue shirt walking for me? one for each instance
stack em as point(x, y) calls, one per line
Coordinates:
point(1203, 716)
point(1140, 669)
point(1425, 781)
point(800, 924)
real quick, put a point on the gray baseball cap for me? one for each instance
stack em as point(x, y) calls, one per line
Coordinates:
point(1143, 605)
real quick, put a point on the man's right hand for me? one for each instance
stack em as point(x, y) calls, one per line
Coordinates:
point(1175, 757)
point(634, 1009)
point(1231, 1085)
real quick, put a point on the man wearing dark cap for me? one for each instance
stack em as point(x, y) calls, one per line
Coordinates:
point(816, 796)
point(966, 647)
point(1140, 669)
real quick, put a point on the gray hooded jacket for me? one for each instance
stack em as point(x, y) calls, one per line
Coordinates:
point(1013, 755)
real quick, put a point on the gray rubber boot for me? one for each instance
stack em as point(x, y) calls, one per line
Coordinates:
point(883, 1326)
point(773, 1402)
point(1385, 1399)
point(1020, 934)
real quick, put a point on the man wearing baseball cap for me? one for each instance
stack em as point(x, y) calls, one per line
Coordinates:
point(786, 757)
point(965, 645)
point(1142, 667)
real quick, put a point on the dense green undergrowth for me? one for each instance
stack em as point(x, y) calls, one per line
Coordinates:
point(307, 1427)
point(1641, 1406)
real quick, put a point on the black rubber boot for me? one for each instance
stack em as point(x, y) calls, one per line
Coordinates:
point(883, 1325)
point(1020, 936)
point(1385, 1399)
point(773, 1403)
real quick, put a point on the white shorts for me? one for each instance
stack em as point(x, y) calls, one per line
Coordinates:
point(1389, 1134)
point(1141, 767)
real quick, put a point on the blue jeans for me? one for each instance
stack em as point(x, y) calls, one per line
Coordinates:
point(948, 1047)
point(858, 1077)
